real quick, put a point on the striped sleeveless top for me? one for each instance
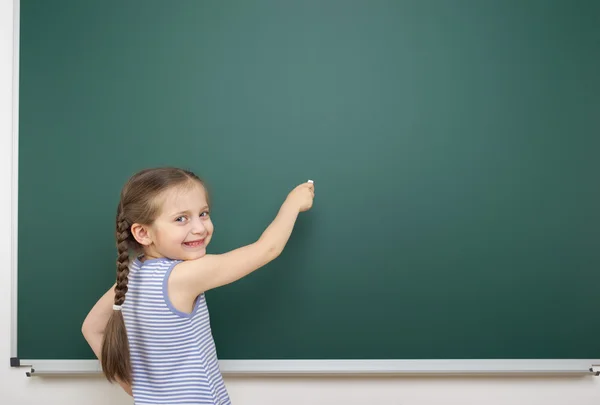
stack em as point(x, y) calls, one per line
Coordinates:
point(173, 354)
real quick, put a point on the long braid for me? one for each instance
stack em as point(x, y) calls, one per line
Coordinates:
point(123, 258)
point(115, 360)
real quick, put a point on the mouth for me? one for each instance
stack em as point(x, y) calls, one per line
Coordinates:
point(194, 243)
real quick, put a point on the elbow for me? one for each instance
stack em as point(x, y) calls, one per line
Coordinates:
point(85, 329)
point(93, 338)
point(267, 250)
point(273, 253)
point(88, 329)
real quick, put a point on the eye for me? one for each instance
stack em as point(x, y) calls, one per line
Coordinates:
point(204, 214)
point(181, 219)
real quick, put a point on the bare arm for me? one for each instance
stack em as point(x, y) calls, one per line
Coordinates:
point(196, 276)
point(95, 323)
point(96, 320)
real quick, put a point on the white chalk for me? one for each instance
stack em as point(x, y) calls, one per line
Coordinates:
point(310, 181)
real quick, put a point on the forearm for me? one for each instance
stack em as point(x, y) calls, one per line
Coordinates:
point(277, 234)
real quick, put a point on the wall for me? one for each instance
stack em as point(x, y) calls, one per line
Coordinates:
point(17, 389)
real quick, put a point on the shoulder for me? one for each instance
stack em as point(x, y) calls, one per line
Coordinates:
point(184, 274)
point(157, 263)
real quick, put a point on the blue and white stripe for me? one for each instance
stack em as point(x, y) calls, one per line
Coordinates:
point(173, 355)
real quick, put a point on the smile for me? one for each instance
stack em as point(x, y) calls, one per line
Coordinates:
point(195, 243)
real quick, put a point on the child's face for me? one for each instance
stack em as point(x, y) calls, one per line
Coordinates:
point(183, 228)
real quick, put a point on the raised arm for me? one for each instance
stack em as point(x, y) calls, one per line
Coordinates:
point(196, 276)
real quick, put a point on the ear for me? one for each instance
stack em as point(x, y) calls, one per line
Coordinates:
point(141, 234)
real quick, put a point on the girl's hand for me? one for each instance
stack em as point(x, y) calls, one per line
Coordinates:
point(302, 196)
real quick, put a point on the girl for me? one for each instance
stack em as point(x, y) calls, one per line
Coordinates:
point(157, 344)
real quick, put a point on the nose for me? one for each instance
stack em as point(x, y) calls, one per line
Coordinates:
point(198, 227)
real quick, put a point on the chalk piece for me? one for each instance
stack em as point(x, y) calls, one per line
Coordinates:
point(310, 181)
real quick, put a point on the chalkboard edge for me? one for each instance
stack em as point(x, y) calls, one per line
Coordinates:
point(14, 179)
point(356, 367)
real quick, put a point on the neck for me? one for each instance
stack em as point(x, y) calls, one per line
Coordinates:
point(150, 253)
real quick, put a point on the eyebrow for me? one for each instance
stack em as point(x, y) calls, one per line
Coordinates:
point(205, 208)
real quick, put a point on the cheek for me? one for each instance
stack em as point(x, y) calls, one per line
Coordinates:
point(170, 235)
point(209, 227)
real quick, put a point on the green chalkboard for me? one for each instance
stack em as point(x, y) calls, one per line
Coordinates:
point(453, 144)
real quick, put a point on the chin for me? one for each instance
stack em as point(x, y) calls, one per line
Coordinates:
point(194, 255)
